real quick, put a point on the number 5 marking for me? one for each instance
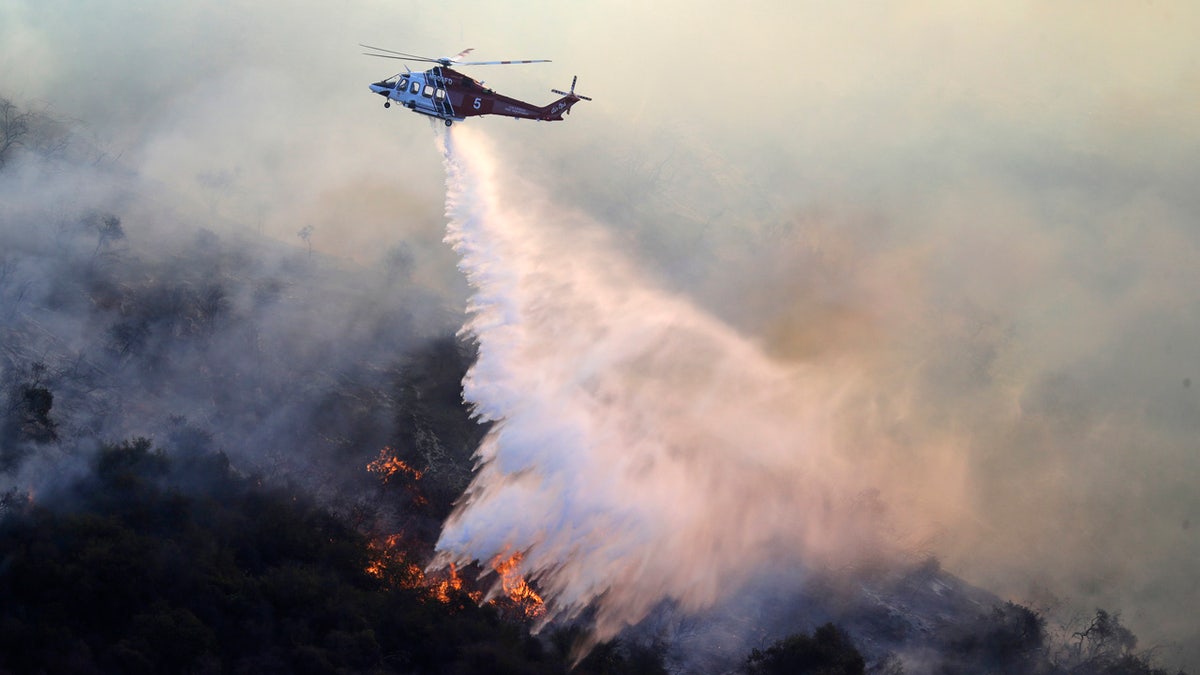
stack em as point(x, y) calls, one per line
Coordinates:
point(478, 102)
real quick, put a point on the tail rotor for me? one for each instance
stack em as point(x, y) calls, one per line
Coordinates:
point(572, 92)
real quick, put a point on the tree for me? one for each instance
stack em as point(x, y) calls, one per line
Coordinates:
point(26, 417)
point(14, 126)
point(108, 230)
point(1009, 639)
point(1106, 647)
point(305, 233)
point(828, 651)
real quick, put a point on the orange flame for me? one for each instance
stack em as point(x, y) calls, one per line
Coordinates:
point(389, 465)
point(443, 589)
point(392, 565)
point(516, 588)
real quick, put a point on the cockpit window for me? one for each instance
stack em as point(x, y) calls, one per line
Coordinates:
point(402, 85)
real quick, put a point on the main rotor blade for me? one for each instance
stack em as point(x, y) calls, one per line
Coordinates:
point(400, 58)
point(389, 51)
point(499, 63)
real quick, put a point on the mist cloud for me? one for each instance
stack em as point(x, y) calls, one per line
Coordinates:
point(643, 452)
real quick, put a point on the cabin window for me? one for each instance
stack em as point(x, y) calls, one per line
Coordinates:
point(441, 94)
point(414, 87)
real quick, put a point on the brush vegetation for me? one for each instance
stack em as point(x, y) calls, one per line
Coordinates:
point(239, 540)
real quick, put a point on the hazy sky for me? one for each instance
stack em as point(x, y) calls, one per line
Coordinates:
point(984, 216)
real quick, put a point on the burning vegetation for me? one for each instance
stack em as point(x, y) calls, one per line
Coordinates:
point(392, 559)
point(392, 470)
point(516, 589)
point(173, 562)
point(388, 465)
point(139, 558)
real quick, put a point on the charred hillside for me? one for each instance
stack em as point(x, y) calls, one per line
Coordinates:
point(220, 453)
point(239, 528)
point(170, 561)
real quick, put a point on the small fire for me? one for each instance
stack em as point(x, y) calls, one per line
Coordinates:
point(444, 588)
point(389, 465)
point(392, 565)
point(516, 588)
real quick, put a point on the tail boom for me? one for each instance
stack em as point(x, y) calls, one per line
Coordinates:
point(555, 111)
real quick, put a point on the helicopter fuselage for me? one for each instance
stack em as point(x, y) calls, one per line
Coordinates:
point(449, 95)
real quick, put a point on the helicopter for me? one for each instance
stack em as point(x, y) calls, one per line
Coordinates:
point(447, 94)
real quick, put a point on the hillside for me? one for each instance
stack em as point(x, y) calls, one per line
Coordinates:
point(221, 453)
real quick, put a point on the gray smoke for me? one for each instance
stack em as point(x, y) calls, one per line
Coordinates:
point(982, 217)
